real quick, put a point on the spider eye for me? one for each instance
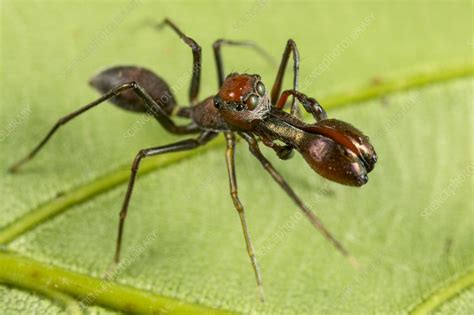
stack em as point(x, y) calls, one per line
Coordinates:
point(216, 103)
point(240, 107)
point(252, 101)
point(261, 89)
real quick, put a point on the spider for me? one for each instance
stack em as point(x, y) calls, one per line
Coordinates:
point(242, 107)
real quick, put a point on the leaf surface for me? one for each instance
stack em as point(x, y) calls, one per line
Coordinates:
point(410, 226)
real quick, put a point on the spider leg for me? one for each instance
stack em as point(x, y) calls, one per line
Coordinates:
point(314, 220)
point(289, 48)
point(218, 55)
point(174, 147)
point(230, 152)
point(311, 105)
point(197, 60)
point(152, 106)
point(284, 152)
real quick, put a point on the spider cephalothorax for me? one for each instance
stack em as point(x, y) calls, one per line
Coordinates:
point(242, 100)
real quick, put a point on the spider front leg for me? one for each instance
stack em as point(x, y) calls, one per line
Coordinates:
point(310, 104)
point(289, 48)
point(313, 219)
point(284, 152)
point(230, 160)
point(152, 108)
point(184, 145)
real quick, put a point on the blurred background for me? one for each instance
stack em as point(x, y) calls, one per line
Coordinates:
point(411, 226)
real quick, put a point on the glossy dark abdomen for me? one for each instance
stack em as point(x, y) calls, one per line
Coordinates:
point(153, 85)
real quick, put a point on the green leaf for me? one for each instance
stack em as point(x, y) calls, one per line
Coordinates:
point(404, 75)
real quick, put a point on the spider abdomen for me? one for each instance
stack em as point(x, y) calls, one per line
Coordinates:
point(153, 84)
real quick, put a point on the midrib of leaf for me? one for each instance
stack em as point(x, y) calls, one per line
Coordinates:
point(402, 84)
point(443, 294)
point(121, 175)
point(29, 274)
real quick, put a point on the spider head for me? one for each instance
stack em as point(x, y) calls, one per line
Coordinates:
point(242, 100)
